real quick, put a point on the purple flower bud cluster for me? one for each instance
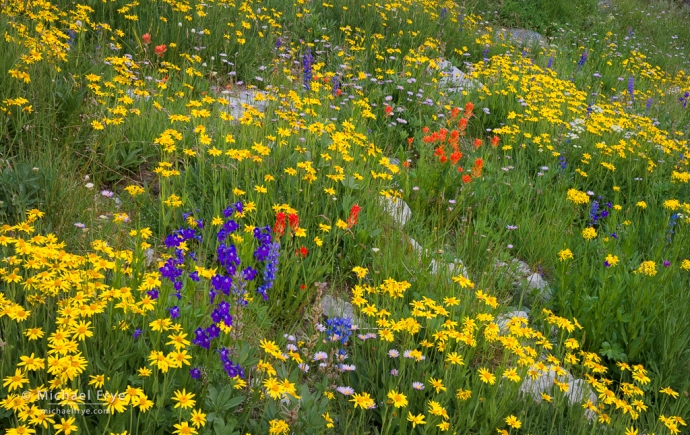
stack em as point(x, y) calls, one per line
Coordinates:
point(174, 312)
point(231, 369)
point(339, 328)
point(583, 59)
point(631, 88)
point(231, 280)
point(596, 213)
point(671, 225)
point(684, 99)
point(270, 270)
point(307, 62)
point(336, 85)
point(562, 163)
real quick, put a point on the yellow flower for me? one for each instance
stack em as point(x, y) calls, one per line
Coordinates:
point(329, 420)
point(278, 427)
point(97, 381)
point(513, 422)
point(134, 190)
point(642, 204)
point(589, 233)
point(415, 419)
point(36, 333)
point(670, 392)
point(184, 428)
point(565, 254)
point(16, 381)
point(363, 401)
point(463, 394)
point(511, 374)
point(577, 197)
point(184, 399)
point(198, 418)
point(318, 241)
point(65, 426)
point(437, 384)
point(399, 400)
point(463, 281)
point(647, 268)
point(612, 260)
point(454, 358)
point(361, 272)
point(115, 402)
point(486, 376)
point(630, 431)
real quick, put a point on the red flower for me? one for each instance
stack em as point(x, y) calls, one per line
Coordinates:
point(302, 252)
point(338, 92)
point(454, 113)
point(406, 164)
point(294, 221)
point(279, 228)
point(478, 165)
point(303, 287)
point(466, 178)
point(462, 124)
point(477, 143)
point(389, 111)
point(494, 141)
point(160, 50)
point(146, 37)
point(425, 130)
point(354, 214)
point(455, 157)
point(460, 169)
point(443, 159)
point(469, 109)
point(410, 140)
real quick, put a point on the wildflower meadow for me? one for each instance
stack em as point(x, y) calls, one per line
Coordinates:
point(239, 217)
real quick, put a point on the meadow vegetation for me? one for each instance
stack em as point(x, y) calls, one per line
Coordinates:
point(184, 183)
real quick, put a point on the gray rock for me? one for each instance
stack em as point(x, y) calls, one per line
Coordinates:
point(454, 79)
point(398, 209)
point(503, 319)
point(335, 307)
point(578, 391)
point(238, 100)
point(536, 282)
point(416, 246)
point(148, 256)
point(517, 268)
point(452, 268)
point(543, 384)
point(522, 37)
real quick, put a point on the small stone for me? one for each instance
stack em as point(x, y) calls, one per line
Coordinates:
point(536, 282)
point(416, 246)
point(543, 384)
point(148, 255)
point(504, 319)
point(522, 37)
point(578, 390)
point(336, 307)
point(245, 97)
point(398, 209)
